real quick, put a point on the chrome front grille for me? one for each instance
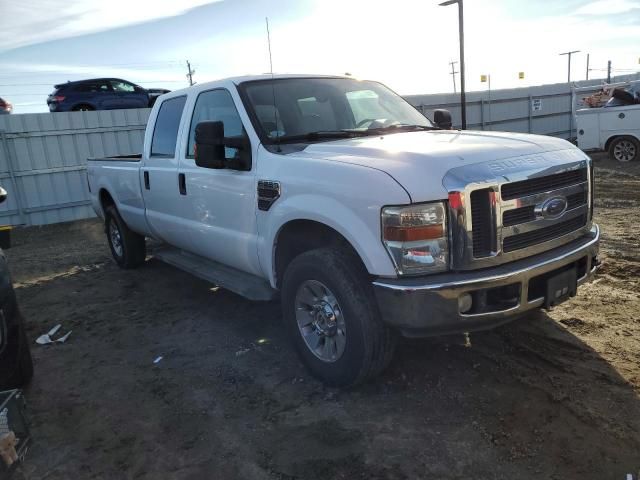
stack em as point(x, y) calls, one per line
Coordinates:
point(544, 234)
point(543, 184)
point(505, 210)
point(528, 214)
point(528, 220)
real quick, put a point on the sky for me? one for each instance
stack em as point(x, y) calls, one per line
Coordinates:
point(406, 44)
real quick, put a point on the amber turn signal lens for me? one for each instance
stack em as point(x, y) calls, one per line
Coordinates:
point(413, 234)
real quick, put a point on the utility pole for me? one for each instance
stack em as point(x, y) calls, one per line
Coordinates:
point(587, 66)
point(463, 95)
point(453, 75)
point(569, 57)
point(609, 71)
point(190, 73)
point(483, 79)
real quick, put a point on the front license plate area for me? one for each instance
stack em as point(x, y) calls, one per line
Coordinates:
point(561, 287)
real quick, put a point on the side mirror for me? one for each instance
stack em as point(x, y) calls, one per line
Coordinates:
point(3, 195)
point(209, 151)
point(442, 118)
point(210, 148)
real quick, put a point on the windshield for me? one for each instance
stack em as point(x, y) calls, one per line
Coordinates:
point(324, 108)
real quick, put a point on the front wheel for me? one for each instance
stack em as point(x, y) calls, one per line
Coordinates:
point(332, 317)
point(127, 247)
point(624, 149)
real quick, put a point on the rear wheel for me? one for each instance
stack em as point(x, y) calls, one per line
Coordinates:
point(624, 149)
point(332, 317)
point(127, 247)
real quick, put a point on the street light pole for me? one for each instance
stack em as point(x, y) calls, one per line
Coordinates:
point(571, 99)
point(568, 54)
point(463, 95)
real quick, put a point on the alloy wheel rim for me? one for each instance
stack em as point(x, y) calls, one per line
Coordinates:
point(116, 239)
point(624, 151)
point(320, 321)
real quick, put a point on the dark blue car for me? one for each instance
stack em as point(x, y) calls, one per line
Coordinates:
point(98, 94)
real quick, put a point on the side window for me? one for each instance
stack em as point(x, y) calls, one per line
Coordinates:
point(216, 105)
point(165, 132)
point(85, 87)
point(93, 87)
point(122, 87)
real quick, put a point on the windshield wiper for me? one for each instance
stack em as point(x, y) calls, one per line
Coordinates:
point(402, 127)
point(351, 133)
point(321, 135)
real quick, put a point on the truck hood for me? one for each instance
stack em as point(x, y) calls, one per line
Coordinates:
point(419, 160)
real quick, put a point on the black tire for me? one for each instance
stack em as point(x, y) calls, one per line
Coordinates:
point(624, 149)
point(369, 343)
point(20, 363)
point(132, 250)
point(83, 108)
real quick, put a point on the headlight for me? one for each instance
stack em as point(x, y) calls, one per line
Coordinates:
point(416, 238)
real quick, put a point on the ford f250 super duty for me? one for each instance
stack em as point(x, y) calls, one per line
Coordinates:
point(365, 217)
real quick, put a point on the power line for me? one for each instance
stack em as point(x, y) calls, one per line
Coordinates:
point(51, 84)
point(70, 71)
point(25, 94)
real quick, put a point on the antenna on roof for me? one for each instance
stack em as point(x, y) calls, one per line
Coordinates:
point(273, 87)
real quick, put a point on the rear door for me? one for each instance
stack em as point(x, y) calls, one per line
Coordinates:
point(98, 93)
point(159, 175)
point(129, 96)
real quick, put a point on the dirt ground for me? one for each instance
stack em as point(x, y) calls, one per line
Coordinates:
point(552, 396)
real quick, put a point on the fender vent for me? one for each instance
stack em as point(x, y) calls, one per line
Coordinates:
point(268, 193)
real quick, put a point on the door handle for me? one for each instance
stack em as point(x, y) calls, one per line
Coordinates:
point(182, 184)
point(146, 180)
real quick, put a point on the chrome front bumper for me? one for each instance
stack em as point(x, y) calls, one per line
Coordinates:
point(430, 305)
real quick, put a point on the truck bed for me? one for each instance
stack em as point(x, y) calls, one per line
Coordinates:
point(120, 177)
point(596, 126)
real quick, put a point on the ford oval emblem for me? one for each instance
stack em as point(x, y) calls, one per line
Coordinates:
point(552, 207)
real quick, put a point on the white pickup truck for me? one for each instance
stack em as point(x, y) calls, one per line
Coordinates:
point(366, 218)
point(613, 129)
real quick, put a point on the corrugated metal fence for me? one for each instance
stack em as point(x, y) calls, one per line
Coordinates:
point(43, 160)
point(43, 156)
point(544, 110)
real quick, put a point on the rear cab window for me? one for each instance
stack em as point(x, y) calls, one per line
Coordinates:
point(165, 130)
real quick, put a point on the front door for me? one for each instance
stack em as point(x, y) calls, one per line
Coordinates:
point(159, 176)
point(221, 206)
